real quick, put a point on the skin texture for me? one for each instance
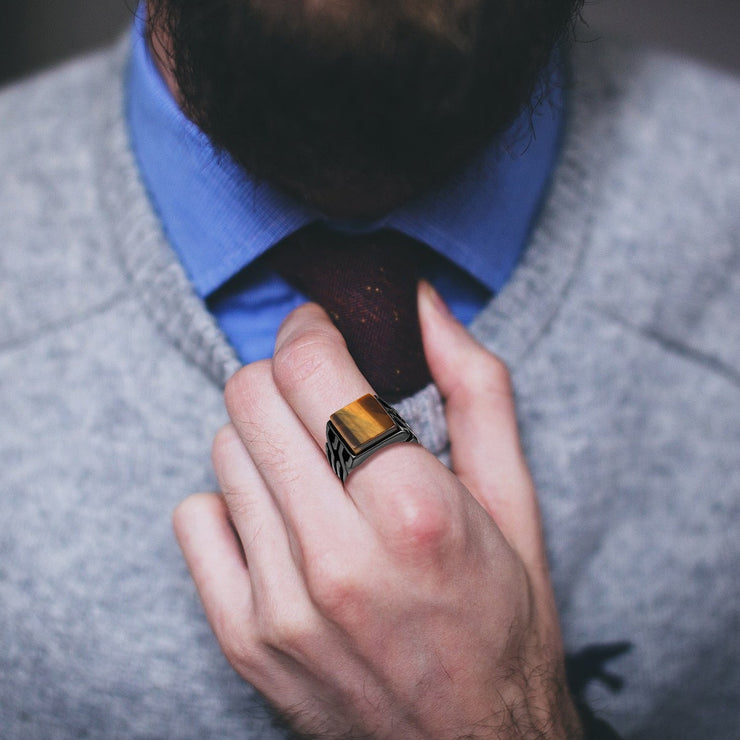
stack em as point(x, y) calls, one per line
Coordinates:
point(413, 602)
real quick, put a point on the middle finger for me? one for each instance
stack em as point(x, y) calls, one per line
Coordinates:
point(308, 495)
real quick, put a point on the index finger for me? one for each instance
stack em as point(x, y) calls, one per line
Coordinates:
point(313, 369)
point(317, 376)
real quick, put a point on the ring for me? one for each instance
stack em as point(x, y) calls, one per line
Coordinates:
point(359, 430)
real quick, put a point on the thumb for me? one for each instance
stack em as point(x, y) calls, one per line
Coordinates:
point(481, 421)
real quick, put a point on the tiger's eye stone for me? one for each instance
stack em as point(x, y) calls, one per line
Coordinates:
point(362, 422)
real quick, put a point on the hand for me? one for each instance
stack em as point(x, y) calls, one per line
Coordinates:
point(411, 602)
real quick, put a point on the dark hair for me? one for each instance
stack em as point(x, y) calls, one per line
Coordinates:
point(361, 92)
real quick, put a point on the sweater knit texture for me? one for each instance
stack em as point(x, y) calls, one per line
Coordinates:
point(621, 328)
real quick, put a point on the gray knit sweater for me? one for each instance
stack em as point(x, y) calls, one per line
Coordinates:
point(621, 327)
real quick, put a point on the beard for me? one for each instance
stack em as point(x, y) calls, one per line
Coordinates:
point(356, 105)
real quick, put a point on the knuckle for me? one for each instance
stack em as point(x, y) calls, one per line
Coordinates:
point(421, 522)
point(496, 374)
point(236, 643)
point(334, 584)
point(288, 629)
point(240, 504)
point(304, 357)
point(499, 371)
point(245, 388)
point(226, 437)
point(487, 377)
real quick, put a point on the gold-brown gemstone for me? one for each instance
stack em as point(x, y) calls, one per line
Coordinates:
point(362, 422)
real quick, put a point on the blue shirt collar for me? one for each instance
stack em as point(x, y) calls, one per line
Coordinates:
point(219, 219)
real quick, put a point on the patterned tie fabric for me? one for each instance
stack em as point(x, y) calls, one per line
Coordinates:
point(367, 284)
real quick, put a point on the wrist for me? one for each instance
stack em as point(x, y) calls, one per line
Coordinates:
point(538, 704)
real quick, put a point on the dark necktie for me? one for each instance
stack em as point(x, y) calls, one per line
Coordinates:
point(367, 284)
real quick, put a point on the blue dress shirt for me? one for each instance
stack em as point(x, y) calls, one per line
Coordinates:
point(219, 220)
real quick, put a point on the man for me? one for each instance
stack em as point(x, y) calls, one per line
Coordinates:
point(408, 600)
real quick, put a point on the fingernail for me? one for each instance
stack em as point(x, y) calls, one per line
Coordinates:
point(430, 293)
